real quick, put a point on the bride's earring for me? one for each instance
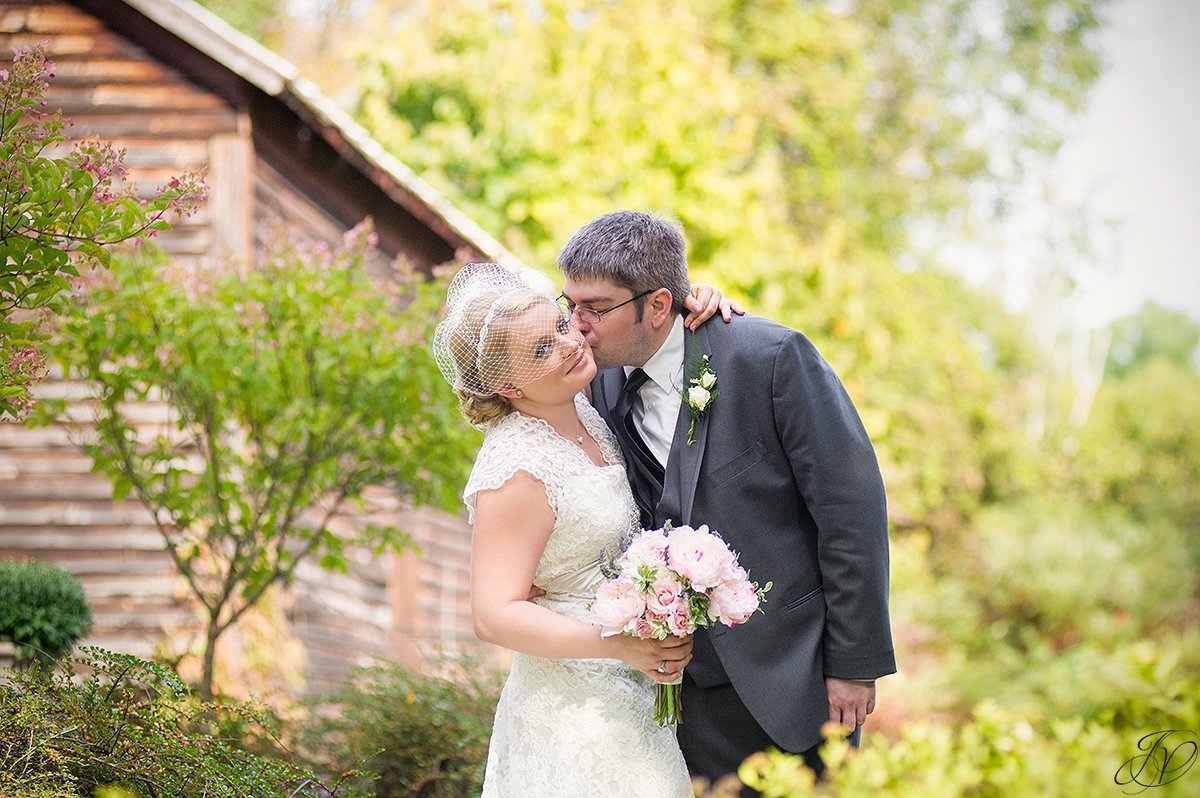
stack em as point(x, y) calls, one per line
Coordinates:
point(519, 394)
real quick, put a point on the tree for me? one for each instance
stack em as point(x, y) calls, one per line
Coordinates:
point(57, 213)
point(291, 389)
point(258, 19)
point(1140, 448)
point(1155, 332)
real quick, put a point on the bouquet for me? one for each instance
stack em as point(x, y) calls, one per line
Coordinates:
point(670, 581)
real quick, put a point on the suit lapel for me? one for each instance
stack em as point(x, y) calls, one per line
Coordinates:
point(685, 460)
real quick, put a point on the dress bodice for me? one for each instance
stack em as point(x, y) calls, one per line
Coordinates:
point(592, 504)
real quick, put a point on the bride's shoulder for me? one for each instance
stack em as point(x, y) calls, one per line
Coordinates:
point(512, 435)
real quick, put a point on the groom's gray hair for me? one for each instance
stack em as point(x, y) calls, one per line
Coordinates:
point(640, 251)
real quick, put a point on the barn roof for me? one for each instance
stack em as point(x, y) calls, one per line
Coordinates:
point(230, 50)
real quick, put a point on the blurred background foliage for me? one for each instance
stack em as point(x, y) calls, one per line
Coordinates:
point(824, 158)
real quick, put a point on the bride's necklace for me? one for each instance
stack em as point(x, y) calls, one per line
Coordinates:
point(575, 436)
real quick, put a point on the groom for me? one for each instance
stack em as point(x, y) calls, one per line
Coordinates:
point(778, 463)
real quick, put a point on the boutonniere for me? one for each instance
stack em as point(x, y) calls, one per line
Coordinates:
point(700, 391)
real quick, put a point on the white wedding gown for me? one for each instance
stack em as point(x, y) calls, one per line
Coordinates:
point(579, 727)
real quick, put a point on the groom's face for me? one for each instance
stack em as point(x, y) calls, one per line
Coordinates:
point(619, 338)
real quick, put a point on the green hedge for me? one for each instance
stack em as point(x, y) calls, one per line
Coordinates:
point(43, 611)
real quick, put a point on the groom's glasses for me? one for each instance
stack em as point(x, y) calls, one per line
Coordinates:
point(592, 317)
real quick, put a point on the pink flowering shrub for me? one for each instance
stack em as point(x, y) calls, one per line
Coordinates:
point(57, 213)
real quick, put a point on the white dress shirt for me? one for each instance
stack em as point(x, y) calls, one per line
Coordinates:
point(661, 394)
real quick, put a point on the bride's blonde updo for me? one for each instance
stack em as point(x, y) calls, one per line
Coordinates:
point(475, 344)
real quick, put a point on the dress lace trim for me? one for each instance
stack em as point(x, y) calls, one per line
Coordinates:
point(524, 443)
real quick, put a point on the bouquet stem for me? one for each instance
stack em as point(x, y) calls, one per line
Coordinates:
point(668, 708)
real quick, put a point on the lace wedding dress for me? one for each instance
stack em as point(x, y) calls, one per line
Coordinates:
point(581, 727)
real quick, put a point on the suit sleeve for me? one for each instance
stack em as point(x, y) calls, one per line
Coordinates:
point(837, 475)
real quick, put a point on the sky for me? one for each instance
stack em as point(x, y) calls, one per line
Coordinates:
point(1136, 159)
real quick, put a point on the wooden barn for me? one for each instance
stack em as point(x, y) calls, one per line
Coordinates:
point(178, 89)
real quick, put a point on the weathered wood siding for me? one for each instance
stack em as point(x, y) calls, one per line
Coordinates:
point(52, 508)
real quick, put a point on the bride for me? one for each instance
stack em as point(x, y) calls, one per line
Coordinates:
point(547, 494)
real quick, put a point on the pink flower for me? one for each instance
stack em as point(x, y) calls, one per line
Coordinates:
point(732, 603)
point(679, 621)
point(642, 628)
point(700, 557)
point(617, 607)
point(733, 572)
point(664, 594)
point(649, 549)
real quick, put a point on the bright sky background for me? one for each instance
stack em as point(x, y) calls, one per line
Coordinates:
point(1137, 159)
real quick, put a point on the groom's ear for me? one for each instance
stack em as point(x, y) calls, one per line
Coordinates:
point(658, 306)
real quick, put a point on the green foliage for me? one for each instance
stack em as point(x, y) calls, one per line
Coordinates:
point(997, 753)
point(423, 735)
point(291, 389)
point(129, 728)
point(1140, 448)
point(774, 129)
point(43, 611)
point(56, 213)
point(1154, 333)
point(1075, 610)
point(258, 19)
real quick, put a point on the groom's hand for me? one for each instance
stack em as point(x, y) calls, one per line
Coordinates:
point(850, 701)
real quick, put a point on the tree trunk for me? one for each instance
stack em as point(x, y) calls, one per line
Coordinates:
point(210, 651)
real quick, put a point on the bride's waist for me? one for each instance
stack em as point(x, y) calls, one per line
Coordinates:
point(570, 603)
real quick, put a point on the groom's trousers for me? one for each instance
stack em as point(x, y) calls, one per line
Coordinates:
point(718, 733)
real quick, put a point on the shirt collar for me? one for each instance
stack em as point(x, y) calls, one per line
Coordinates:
point(665, 367)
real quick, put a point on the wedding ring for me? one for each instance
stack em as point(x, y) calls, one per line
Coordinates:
point(662, 668)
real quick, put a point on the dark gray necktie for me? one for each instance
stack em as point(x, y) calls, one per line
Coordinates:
point(649, 473)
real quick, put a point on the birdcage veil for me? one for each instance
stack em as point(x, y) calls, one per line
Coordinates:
point(499, 331)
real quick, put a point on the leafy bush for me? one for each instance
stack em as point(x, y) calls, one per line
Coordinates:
point(294, 388)
point(42, 610)
point(1000, 753)
point(129, 728)
point(1072, 609)
point(423, 735)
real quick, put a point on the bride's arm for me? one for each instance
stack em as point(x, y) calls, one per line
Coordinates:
point(512, 525)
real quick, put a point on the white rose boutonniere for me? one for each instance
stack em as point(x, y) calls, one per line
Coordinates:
point(701, 390)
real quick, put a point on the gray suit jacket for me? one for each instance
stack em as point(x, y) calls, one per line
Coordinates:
point(782, 468)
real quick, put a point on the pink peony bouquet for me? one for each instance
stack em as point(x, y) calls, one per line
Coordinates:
point(670, 581)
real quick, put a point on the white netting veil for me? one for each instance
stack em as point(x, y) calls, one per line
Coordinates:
point(499, 332)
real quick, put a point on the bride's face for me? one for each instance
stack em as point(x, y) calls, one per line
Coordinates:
point(549, 359)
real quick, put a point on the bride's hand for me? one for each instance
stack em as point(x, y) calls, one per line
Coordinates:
point(703, 302)
point(648, 656)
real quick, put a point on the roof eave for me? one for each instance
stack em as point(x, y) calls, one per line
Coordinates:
point(277, 77)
